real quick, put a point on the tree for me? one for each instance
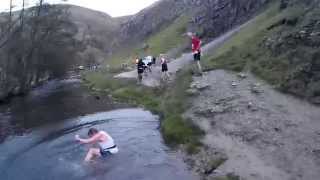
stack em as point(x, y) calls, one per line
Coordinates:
point(40, 42)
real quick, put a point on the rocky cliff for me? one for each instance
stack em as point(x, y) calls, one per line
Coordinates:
point(282, 47)
point(209, 18)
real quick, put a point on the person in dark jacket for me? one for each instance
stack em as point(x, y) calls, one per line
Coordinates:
point(140, 69)
point(164, 68)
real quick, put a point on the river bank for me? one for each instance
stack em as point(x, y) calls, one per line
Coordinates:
point(40, 128)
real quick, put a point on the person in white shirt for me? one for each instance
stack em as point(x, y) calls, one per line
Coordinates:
point(103, 139)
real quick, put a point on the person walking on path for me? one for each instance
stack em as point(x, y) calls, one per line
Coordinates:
point(164, 68)
point(140, 69)
point(196, 50)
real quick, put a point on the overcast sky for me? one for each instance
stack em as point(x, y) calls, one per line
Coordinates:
point(112, 7)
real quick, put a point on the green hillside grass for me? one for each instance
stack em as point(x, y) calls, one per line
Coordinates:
point(170, 37)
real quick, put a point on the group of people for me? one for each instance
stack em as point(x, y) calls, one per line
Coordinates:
point(106, 144)
point(146, 64)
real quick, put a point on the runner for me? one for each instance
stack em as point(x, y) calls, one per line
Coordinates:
point(196, 49)
point(154, 60)
point(140, 69)
point(164, 68)
point(103, 139)
point(148, 61)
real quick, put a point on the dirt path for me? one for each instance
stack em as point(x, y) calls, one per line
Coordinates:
point(153, 79)
point(266, 135)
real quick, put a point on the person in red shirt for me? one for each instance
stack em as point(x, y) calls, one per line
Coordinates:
point(196, 49)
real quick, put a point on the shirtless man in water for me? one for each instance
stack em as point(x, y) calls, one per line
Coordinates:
point(103, 139)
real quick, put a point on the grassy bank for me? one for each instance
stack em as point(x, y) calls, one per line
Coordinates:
point(168, 102)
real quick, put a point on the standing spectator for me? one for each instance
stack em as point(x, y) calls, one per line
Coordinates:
point(140, 69)
point(164, 68)
point(196, 49)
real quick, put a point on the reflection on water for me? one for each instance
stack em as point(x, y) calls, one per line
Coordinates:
point(50, 152)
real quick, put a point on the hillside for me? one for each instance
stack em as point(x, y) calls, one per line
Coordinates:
point(96, 31)
point(248, 129)
point(162, 26)
point(281, 46)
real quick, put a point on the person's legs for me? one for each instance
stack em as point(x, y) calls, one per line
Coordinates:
point(92, 153)
point(197, 58)
point(167, 75)
point(139, 77)
point(199, 67)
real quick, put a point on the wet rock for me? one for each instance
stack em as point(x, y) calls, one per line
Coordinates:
point(199, 86)
point(207, 161)
point(211, 111)
point(234, 84)
point(217, 109)
point(16, 90)
point(248, 136)
point(192, 92)
point(242, 75)
point(256, 89)
point(250, 104)
point(252, 107)
point(212, 164)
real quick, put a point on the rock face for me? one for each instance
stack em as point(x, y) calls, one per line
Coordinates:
point(213, 17)
point(210, 18)
point(300, 47)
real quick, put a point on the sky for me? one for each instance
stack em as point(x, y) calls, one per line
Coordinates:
point(114, 8)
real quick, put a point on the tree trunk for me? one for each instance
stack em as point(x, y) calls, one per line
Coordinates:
point(40, 6)
point(22, 15)
point(10, 11)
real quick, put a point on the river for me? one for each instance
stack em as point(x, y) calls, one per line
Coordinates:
point(37, 138)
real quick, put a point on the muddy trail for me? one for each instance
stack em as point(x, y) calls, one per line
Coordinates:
point(153, 79)
point(266, 135)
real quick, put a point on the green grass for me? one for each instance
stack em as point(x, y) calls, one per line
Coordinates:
point(170, 102)
point(170, 37)
point(227, 177)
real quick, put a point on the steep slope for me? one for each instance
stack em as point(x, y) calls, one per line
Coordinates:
point(282, 47)
point(96, 31)
point(162, 25)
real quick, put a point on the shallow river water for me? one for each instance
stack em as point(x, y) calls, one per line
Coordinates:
point(37, 138)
